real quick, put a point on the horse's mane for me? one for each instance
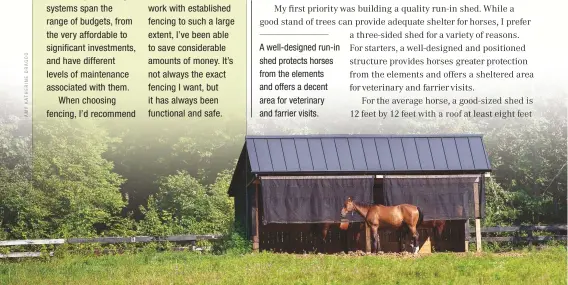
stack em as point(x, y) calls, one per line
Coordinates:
point(364, 204)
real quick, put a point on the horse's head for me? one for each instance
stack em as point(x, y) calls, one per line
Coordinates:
point(348, 206)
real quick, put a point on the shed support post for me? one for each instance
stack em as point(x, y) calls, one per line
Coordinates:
point(367, 238)
point(477, 216)
point(478, 234)
point(467, 235)
point(255, 237)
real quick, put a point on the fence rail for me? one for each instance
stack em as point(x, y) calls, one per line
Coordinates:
point(22, 254)
point(559, 233)
point(101, 240)
point(32, 242)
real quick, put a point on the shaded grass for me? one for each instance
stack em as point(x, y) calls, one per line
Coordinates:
point(547, 266)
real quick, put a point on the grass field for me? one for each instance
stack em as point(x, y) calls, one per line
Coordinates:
point(547, 266)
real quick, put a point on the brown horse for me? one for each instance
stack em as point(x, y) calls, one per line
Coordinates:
point(437, 227)
point(395, 217)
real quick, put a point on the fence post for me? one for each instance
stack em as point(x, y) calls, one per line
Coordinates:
point(530, 236)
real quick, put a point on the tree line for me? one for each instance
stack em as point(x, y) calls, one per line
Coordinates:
point(88, 179)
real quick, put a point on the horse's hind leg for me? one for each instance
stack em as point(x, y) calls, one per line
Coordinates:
point(321, 233)
point(323, 238)
point(435, 238)
point(402, 232)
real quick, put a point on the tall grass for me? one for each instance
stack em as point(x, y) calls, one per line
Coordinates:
point(546, 266)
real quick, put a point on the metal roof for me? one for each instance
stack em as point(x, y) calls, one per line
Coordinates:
point(367, 154)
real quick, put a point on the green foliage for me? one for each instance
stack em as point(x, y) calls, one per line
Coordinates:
point(24, 212)
point(184, 205)
point(23, 209)
point(499, 210)
point(156, 222)
point(78, 182)
point(121, 226)
point(234, 242)
point(72, 190)
point(160, 149)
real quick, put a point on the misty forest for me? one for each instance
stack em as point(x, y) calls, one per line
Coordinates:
point(88, 179)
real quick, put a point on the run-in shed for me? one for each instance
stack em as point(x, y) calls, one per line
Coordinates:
point(283, 186)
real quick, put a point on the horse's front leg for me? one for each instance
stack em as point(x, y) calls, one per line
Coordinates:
point(376, 238)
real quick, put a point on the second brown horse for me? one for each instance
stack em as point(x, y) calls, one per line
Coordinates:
point(395, 217)
point(323, 229)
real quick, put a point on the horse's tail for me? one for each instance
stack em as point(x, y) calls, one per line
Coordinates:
point(420, 216)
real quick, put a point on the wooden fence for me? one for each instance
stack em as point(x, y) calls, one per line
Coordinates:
point(558, 232)
point(191, 239)
point(519, 234)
